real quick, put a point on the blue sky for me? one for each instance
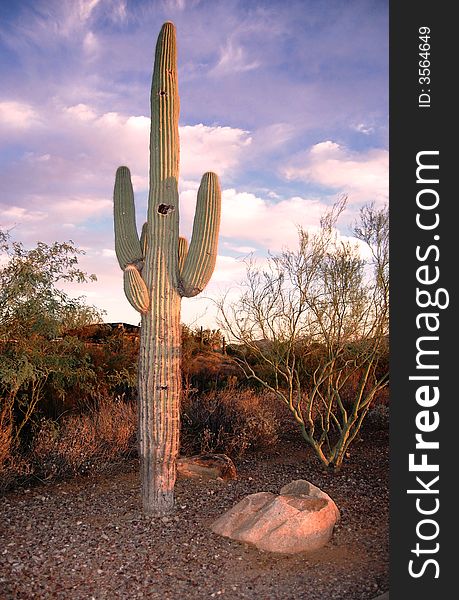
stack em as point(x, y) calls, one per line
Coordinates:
point(286, 101)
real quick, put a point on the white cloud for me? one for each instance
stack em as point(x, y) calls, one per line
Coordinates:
point(108, 253)
point(66, 212)
point(141, 123)
point(205, 148)
point(90, 44)
point(227, 270)
point(233, 59)
point(365, 129)
point(256, 221)
point(71, 17)
point(364, 176)
point(81, 111)
point(14, 214)
point(273, 136)
point(72, 163)
point(37, 158)
point(85, 8)
point(116, 139)
point(271, 225)
point(326, 148)
point(80, 209)
point(245, 250)
point(172, 5)
point(118, 11)
point(17, 115)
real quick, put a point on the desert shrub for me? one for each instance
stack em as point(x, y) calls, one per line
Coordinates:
point(231, 421)
point(68, 448)
point(40, 377)
point(311, 326)
point(116, 427)
point(82, 443)
point(208, 371)
point(12, 465)
point(44, 378)
point(115, 362)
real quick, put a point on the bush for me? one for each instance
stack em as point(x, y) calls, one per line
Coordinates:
point(311, 325)
point(230, 421)
point(88, 442)
point(83, 443)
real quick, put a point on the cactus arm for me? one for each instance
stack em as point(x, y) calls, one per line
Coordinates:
point(127, 244)
point(143, 239)
point(182, 252)
point(135, 289)
point(202, 254)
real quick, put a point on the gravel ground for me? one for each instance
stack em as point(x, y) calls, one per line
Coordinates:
point(86, 538)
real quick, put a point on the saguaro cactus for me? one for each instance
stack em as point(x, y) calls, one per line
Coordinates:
point(159, 269)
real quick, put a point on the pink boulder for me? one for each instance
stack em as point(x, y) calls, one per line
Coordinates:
point(300, 519)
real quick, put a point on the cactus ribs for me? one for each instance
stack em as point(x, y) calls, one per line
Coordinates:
point(160, 269)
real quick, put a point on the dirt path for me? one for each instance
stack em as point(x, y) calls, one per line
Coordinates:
point(86, 538)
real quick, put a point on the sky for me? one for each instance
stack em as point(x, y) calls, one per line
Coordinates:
point(286, 101)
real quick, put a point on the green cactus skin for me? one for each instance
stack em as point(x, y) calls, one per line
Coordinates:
point(159, 269)
point(135, 289)
point(182, 252)
point(127, 248)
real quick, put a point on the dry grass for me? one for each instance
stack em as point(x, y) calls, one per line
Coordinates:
point(84, 442)
point(233, 421)
point(230, 421)
point(75, 445)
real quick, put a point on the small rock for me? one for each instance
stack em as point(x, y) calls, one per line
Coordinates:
point(207, 466)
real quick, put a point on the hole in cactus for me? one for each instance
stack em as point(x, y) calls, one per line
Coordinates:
point(162, 93)
point(165, 209)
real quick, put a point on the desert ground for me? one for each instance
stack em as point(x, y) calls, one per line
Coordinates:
point(86, 538)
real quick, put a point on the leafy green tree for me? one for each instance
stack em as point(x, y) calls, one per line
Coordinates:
point(34, 312)
point(30, 299)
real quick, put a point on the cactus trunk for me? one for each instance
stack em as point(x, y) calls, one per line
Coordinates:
point(159, 385)
point(158, 270)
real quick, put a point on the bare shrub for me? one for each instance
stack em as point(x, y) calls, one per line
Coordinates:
point(311, 326)
point(230, 421)
point(67, 448)
point(85, 442)
point(116, 429)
